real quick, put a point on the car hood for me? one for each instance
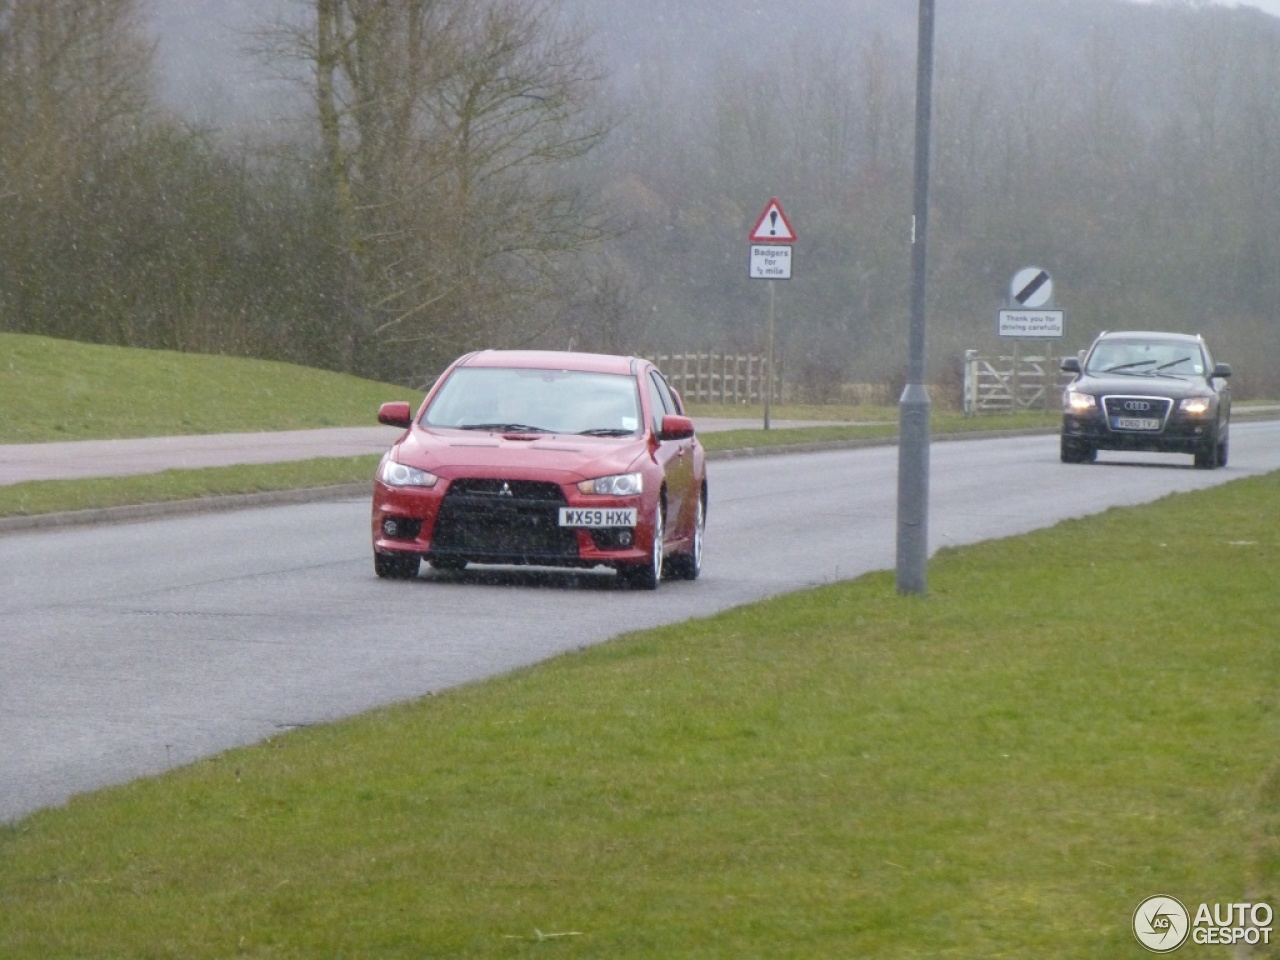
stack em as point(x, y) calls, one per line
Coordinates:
point(551, 457)
point(1174, 387)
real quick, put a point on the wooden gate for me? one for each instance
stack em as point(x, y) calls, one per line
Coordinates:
point(718, 378)
point(1011, 383)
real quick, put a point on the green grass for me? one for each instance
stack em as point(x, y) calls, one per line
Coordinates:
point(1070, 722)
point(63, 390)
point(941, 424)
point(795, 411)
point(59, 496)
point(50, 496)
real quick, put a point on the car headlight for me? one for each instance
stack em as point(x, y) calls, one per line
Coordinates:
point(395, 474)
point(1080, 402)
point(619, 485)
point(1194, 405)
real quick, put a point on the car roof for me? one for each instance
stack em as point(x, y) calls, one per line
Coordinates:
point(1151, 335)
point(552, 360)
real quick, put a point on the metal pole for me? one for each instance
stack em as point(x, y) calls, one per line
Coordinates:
point(913, 409)
point(1016, 378)
point(768, 379)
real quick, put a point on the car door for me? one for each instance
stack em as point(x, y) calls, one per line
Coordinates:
point(674, 456)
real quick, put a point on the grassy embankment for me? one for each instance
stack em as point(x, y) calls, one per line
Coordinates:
point(1071, 722)
point(59, 390)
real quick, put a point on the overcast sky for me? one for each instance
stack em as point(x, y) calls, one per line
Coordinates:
point(1270, 6)
point(1267, 6)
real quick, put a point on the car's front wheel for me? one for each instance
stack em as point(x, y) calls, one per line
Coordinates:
point(1207, 456)
point(687, 566)
point(647, 576)
point(396, 566)
point(1074, 451)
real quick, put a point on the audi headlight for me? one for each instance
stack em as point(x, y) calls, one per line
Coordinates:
point(1194, 405)
point(1080, 402)
point(619, 485)
point(395, 474)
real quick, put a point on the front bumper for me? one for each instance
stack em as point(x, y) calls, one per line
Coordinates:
point(480, 522)
point(1179, 433)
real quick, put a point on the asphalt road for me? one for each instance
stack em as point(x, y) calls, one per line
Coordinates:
point(128, 649)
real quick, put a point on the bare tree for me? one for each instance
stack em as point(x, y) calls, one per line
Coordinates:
point(444, 127)
point(73, 89)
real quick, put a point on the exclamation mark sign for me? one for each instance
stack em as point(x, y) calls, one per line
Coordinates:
point(773, 221)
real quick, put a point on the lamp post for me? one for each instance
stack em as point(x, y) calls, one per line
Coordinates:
point(913, 408)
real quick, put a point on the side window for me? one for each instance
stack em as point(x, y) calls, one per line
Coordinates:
point(659, 400)
point(674, 405)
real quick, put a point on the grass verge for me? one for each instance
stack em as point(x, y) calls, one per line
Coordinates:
point(53, 496)
point(884, 427)
point(58, 496)
point(1070, 722)
point(63, 390)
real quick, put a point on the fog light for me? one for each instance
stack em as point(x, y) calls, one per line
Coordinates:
point(390, 528)
point(625, 538)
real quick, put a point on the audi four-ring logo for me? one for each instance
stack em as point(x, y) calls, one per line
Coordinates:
point(1136, 405)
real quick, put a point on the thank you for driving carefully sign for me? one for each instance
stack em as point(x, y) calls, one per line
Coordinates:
point(1031, 314)
point(771, 244)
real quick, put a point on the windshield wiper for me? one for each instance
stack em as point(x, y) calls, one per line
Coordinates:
point(1127, 366)
point(504, 427)
point(1171, 363)
point(606, 432)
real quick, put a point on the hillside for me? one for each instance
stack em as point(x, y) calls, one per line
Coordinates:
point(1130, 149)
point(61, 390)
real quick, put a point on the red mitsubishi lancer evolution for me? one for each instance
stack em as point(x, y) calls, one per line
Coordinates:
point(543, 458)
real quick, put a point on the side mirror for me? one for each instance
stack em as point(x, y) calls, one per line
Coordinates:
point(1070, 365)
point(1221, 370)
point(395, 414)
point(675, 427)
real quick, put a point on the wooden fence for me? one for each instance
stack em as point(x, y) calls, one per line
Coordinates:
point(1008, 383)
point(719, 378)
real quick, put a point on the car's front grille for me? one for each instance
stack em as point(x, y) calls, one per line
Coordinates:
point(515, 521)
point(1126, 409)
point(507, 489)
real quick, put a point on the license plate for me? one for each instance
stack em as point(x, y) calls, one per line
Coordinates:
point(1136, 423)
point(597, 517)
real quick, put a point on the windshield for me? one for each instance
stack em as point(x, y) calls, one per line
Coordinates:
point(519, 400)
point(1146, 358)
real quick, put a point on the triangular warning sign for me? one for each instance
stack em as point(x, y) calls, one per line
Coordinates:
point(773, 226)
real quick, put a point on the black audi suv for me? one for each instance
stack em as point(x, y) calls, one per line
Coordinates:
point(1150, 391)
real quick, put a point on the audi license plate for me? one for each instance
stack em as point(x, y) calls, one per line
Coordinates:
point(597, 517)
point(1135, 423)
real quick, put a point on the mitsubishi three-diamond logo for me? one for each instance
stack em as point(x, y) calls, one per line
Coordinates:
point(1161, 924)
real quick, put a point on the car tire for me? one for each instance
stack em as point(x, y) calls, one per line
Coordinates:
point(687, 566)
point(396, 566)
point(1207, 456)
point(1072, 451)
point(1223, 453)
point(647, 576)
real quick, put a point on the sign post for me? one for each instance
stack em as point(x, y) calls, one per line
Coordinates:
point(771, 242)
point(1031, 315)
